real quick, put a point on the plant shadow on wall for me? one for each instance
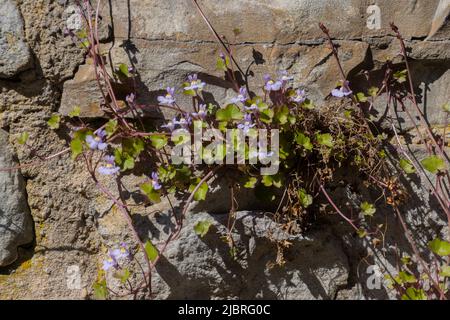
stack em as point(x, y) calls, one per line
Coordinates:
point(312, 150)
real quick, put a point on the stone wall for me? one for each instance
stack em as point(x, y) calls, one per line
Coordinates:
point(42, 72)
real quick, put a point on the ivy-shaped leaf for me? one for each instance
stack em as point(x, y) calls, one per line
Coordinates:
point(433, 164)
point(414, 294)
point(361, 97)
point(373, 91)
point(202, 228)
point(23, 138)
point(400, 76)
point(325, 139)
point(440, 247)
point(152, 252)
point(75, 112)
point(76, 146)
point(303, 141)
point(445, 271)
point(200, 194)
point(305, 199)
point(158, 141)
point(229, 113)
point(111, 127)
point(368, 209)
point(151, 193)
point(123, 69)
point(54, 121)
point(250, 182)
point(407, 166)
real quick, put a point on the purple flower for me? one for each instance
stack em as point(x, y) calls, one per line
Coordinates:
point(110, 168)
point(155, 181)
point(272, 85)
point(284, 78)
point(183, 122)
point(201, 114)
point(130, 98)
point(170, 125)
point(242, 97)
point(97, 142)
point(120, 253)
point(299, 97)
point(247, 125)
point(253, 107)
point(342, 91)
point(109, 263)
point(195, 83)
point(169, 98)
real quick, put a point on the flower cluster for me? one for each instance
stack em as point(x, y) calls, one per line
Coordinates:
point(97, 141)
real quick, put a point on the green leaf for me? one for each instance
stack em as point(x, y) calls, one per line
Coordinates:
point(282, 115)
point(414, 294)
point(407, 166)
point(445, 271)
point(361, 97)
point(274, 180)
point(433, 164)
point(75, 112)
point(53, 122)
point(373, 91)
point(303, 141)
point(158, 141)
point(250, 182)
point(123, 69)
point(152, 252)
point(223, 64)
point(308, 105)
point(266, 115)
point(76, 146)
point(362, 233)
point(202, 228)
point(368, 209)
point(405, 277)
point(446, 107)
point(23, 138)
point(151, 193)
point(100, 290)
point(200, 194)
point(229, 113)
point(400, 76)
point(325, 139)
point(440, 247)
point(123, 275)
point(111, 127)
point(305, 199)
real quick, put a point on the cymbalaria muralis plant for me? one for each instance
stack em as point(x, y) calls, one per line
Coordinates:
point(314, 144)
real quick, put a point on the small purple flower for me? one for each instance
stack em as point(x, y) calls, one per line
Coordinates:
point(110, 168)
point(169, 98)
point(247, 125)
point(155, 181)
point(120, 253)
point(342, 91)
point(130, 98)
point(242, 97)
point(183, 122)
point(253, 107)
point(195, 83)
point(97, 142)
point(272, 85)
point(201, 114)
point(284, 78)
point(170, 125)
point(109, 263)
point(299, 97)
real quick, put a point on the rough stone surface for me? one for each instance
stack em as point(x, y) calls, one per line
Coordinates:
point(15, 219)
point(165, 41)
point(15, 55)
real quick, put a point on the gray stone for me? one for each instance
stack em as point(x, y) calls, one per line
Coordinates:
point(15, 55)
point(202, 268)
point(15, 219)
